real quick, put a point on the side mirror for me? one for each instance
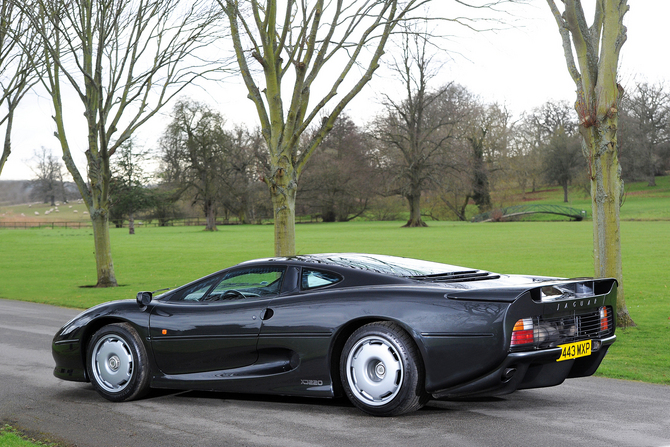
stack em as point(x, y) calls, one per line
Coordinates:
point(144, 298)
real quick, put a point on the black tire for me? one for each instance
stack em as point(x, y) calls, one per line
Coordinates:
point(381, 370)
point(116, 363)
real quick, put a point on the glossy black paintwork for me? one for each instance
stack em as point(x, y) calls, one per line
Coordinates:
point(290, 343)
point(205, 337)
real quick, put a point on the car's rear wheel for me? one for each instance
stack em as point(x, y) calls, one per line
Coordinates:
point(117, 363)
point(381, 370)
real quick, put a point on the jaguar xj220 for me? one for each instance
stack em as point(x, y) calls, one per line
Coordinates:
point(389, 333)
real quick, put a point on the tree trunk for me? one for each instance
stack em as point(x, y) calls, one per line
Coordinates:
point(131, 223)
point(606, 193)
point(415, 220)
point(328, 213)
point(481, 188)
point(652, 170)
point(242, 214)
point(210, 214)
point(103, 250)
point(461, 212)
point(7, 146)
point(283, 205)
point(565, 192)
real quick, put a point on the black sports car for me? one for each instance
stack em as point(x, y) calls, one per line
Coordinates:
point(388, 332)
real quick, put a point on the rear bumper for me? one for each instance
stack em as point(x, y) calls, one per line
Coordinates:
point(533, 369)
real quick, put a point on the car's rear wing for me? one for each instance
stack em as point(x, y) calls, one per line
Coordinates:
point(545, 291)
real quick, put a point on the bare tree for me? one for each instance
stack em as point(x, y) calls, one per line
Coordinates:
point(193, 155)
point(562, 159)
point(242, 167)
point(49, 176)
point(592, 57)
point(646, 126)
point(525, 162)
point(455, 187)
point(300, 44)
point(417, 130)
point(124, 60)
point(558, 142)
point(129, 193)
point(340, 179)
point(309, 47)
point(488, 136)
point(533, 134)
point(551, 116)
point(17, 73)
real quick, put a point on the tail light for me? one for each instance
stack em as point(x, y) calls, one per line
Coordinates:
point(604, 320)
point(523, 332)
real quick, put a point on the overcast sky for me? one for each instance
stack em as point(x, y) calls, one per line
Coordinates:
point(522, 66)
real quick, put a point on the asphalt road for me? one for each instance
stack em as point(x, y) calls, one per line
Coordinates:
point(581, 412)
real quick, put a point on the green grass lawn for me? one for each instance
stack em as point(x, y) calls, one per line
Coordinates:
point(54, 265)
point(9, 437)
point(641, 202)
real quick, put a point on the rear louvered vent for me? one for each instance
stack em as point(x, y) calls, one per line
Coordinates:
point(462, 276)
point(575, 327)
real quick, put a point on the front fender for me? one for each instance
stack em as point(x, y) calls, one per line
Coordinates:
point(69, 344)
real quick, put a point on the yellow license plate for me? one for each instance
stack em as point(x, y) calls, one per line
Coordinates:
point(575, 350)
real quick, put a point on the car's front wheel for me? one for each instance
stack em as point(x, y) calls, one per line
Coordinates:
point(381, 370)
point(117, 363)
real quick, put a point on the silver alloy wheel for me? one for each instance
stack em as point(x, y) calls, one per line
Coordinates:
point(374, 370)
point(112, 363)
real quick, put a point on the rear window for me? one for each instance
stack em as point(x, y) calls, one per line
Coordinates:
point(389, 265)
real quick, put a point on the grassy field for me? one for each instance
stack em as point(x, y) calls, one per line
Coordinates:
point(641, 202)
point(57, 266)
point(63, 212)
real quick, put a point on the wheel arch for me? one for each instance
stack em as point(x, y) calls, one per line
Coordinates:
point(93, 327)
point(343, 334)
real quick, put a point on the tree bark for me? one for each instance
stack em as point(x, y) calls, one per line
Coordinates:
point(7, 147)
point(652, 167)
point(283, 205)
point(415, 220)
point(210, 214)
point(131, 223)
point(242, 214)
point(480, 183)
point(103, 252)
point(606, 193)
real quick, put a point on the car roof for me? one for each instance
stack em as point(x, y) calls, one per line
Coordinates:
point(384, 264)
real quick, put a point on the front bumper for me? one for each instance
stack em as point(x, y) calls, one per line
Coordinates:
point(531, 369)
point(69, 362)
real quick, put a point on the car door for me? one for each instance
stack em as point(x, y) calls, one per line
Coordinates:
point(213, 324)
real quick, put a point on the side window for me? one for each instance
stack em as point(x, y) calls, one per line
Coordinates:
point(195, 292)
point(249, 282)
point(312, 279)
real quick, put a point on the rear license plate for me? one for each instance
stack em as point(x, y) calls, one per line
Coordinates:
point(575, 350)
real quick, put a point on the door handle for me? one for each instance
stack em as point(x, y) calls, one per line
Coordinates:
point(267, 313)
